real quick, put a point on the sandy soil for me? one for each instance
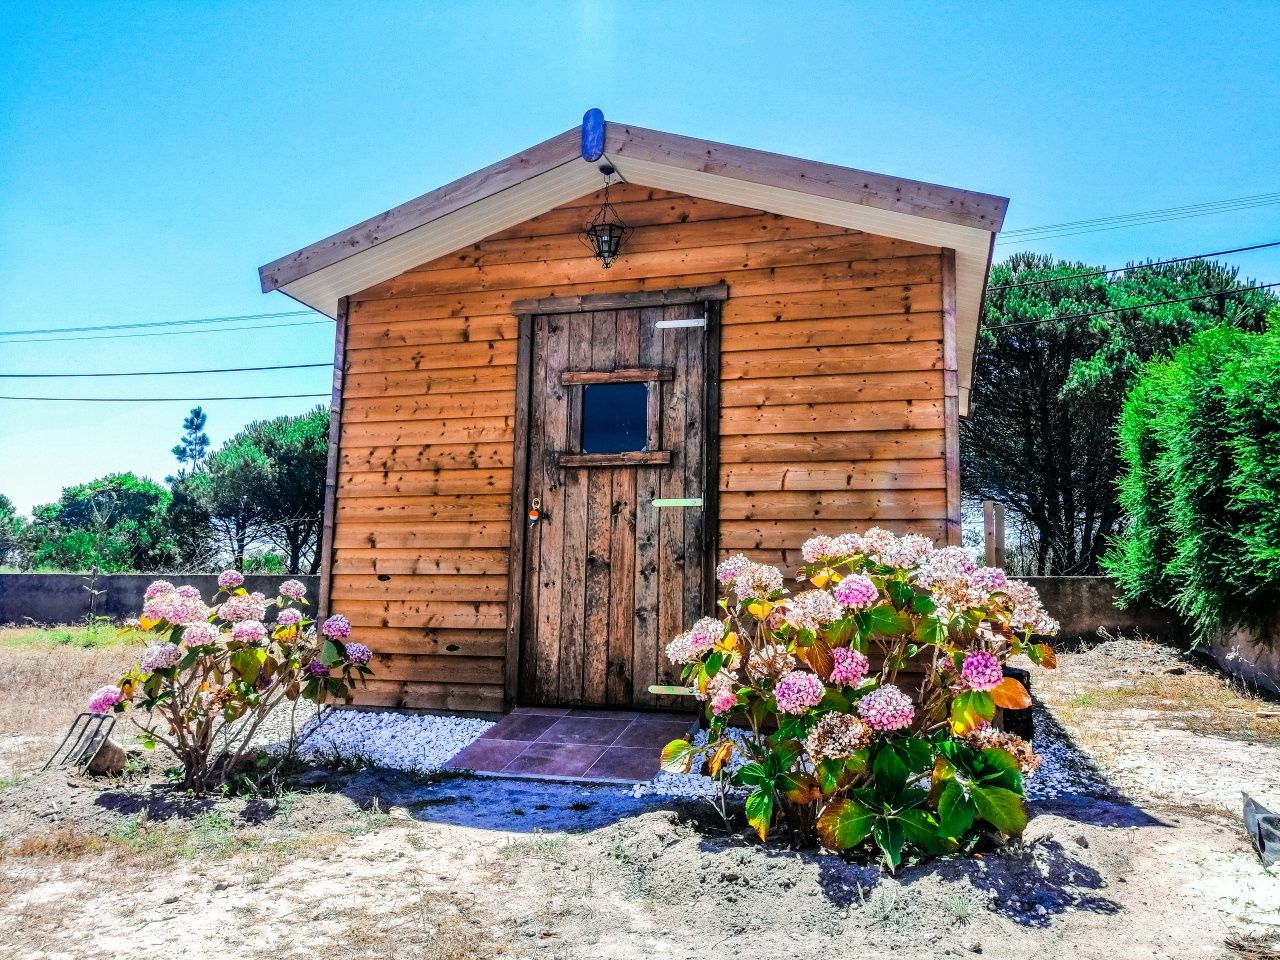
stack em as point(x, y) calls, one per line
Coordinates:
point(1145, 858)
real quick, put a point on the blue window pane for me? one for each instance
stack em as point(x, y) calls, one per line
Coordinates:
point(615, 417)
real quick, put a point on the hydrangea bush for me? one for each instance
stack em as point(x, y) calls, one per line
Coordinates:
point(215, 671)
point(868, 694)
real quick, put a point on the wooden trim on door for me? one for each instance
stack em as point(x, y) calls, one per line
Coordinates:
point(519, 507)
point(950, 397)
point(631, 300)
point(635, 458)
point(625, 375)
point(711, 457)
point(331, 461)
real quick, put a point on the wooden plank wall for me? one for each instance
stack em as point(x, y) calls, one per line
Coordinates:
point(832, 413)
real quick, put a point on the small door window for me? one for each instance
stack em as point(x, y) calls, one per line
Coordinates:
point(615, 417)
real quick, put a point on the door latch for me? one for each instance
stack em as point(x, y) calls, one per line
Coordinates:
point(535, 511)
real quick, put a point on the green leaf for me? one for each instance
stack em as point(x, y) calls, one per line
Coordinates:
point(889, 770)
point(760, 810)
point(923, 604)
point(982, 704)
point(921, 829)
point(915, 753)
point(330, 654)
point(714, 663)
point(887, 621)
point(955, 810)
point(844, 824)
point(752, 774)
point(889, 838)
point(829, 774)
point(1001, 808)
point(995, 767)
point(677, 756)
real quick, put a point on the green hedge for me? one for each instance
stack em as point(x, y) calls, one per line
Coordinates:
point(1200, 438)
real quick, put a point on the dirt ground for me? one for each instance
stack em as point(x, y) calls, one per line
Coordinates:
point(1135, 850)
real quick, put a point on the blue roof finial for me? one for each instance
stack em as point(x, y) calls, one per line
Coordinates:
point(593, 135)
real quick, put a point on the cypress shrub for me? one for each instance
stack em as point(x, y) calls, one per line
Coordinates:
point(1200, 440)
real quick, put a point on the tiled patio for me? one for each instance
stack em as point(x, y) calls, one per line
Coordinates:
point(557, 743)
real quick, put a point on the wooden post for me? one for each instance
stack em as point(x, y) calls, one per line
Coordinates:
point(989, 532)
point(999, 538)
point(950, 398)
point(331, 465)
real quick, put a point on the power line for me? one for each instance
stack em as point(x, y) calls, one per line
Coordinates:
point(173, 333)
point(164, 373)
point(161, 323)
point(1136, 306)
point(1119, 221)
point(272, 396)
point(1134, 266)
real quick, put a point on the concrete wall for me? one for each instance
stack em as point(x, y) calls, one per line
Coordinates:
point(1245, 654)
point(1083, 604)
point(64, 597)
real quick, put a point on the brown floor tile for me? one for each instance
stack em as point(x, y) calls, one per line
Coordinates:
point(601, 712)
point(555, 759)
point(653, 733)
point(549, 711)
point(519, 726)
point(488, 756)
point(626, 763)
point(572, 729)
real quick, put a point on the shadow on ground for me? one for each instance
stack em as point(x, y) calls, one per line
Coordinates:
point(490, 803)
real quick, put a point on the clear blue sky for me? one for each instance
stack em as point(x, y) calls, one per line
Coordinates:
point(153, 155)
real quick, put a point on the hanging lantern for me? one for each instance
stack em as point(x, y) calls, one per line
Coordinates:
point(606, 233)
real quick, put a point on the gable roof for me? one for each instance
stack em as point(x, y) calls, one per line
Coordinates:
point(554, 172)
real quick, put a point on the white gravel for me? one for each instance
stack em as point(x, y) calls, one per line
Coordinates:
point(1060, 772)
point(399, 741)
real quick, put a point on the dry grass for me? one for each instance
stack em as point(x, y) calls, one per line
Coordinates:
point(46, 677)
point(1199, 702)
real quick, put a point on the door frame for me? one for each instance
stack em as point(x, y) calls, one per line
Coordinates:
point(711, 296)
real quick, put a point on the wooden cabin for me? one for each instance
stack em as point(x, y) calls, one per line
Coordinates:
point(536, 460)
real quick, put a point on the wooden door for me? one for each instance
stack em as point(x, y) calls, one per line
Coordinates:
point(617, 562)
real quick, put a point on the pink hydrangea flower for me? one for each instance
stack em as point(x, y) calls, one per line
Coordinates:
point(847, 544)
point(856, 592)
point(243, 606)
point(230, 579)
point(989, 579)
point(158, 589)
point(887, 708)
point(337, 627)
point(289, 616)
point(817, 548)
point(188, 591)
point(981, 670)
point(812, 609)
point(758, 580)
point(358, 653)
point(159, 656)
point(176, 608)
point(295, 589)
point(249, 631)
point(199, 634)
point(723, 701)
point(105, 698)
point(730, 569)
point(797, 691)
point(850, 667)
point(705, 634)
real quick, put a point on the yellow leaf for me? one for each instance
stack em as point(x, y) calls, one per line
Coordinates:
point(821, 579)
point(760, 609)
point(146, 623)
point(1011, 695)
point(719, 758)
